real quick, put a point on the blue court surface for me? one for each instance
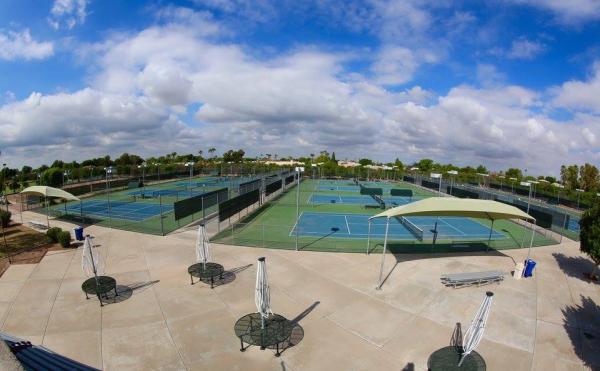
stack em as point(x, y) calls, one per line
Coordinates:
point(356, 226)
point(182, 193)
point(359, 200)
point(573, 224)
point(136, 211)
point(345, 188)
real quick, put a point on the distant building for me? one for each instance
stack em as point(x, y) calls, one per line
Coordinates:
point(282, 162)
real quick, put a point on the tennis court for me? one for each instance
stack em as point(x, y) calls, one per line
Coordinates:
point(356, 226)
point(183, 193)
point(359, 200)
point(135, 211)
point(573, 225)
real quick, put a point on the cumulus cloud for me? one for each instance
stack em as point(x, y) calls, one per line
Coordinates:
point(67, 13)
point(176, 88)
point(567, 11)
point(20, 45)
point(577, 94)
point(525, 49)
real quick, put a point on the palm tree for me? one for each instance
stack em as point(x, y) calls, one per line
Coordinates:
point(212, 150)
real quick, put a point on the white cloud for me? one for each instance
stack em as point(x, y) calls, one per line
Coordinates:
point(67, 13)
point(296, 103)
point(571, 11)
point(525, 49)
point(20, 45)
point(582, 95)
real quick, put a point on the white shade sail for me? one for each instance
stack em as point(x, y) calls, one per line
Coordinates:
point(262, 294)
point(50, 192)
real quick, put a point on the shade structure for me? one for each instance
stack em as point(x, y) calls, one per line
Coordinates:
point(475, 331)
point(91, 263)
point(49, 192)
point(447, 206)
point(262, 295)
point(202, 246)
point(463, 207)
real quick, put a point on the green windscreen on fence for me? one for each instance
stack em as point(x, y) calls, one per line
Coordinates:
point(132, 185)
point(462, 193)
point(542, 219)
point(233, 206)
point(189, 206)
point(371, 191)
point(249, 186)
point(431, 185)
point(270, 188)
point(401, 192)
point(289, 179)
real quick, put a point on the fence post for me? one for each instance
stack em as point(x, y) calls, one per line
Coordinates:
point(162, 229)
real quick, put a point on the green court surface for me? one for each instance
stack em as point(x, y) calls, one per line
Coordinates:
point(274, 225)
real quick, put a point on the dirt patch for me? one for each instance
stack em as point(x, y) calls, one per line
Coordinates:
point(25, 246)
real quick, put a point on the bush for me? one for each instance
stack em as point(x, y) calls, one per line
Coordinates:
point(5, 217)
point(53, 233)
point(590, 235)
point(64, 238)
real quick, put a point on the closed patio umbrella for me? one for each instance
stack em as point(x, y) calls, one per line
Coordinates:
point(474, 334)
point(202, 246)
point(91, 263)
point(262, 296)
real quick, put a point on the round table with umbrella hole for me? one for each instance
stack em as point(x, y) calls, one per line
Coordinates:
point(447, 359)
point(278, 330)
point(99, 286)
point(204, 271)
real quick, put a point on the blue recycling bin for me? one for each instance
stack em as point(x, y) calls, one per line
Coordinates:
point(529, 266)
point(78, 233)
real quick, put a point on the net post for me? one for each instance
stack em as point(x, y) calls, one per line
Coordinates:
point(369, 238)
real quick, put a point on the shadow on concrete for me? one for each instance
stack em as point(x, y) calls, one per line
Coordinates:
point(582, 324)
point(457, 337)
point(126, 291)
point(576, 266)
point(297, 331)
point(228, 276)
point(409, 367)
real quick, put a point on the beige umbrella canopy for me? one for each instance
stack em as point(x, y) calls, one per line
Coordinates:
point(49, 192)
point(446, 206)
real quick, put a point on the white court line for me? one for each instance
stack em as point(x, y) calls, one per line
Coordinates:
point(347, 225)
point(295, 224)
point(453, 227)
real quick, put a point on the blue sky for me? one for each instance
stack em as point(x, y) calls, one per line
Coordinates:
point(503, 83)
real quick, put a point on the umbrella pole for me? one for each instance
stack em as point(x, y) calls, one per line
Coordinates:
point(490, 237)
point(387, 226)
point(47, 212)
point(531, 243)
point(369, 238)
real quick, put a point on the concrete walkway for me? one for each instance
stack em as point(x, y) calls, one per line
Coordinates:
point(550, 322)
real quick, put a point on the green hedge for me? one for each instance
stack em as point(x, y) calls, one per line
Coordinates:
point(53, 233)
point(5, 217)
point(64, 238)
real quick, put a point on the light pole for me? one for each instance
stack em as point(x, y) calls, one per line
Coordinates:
point(108, 171)
point(299, 169)
point(438, 176)
point(579, 192)
point(512, 184)
point(454, 173)
point(501, 177)
point(527, 184)
point(143, 167)
point(190, 164)
point(558, 187)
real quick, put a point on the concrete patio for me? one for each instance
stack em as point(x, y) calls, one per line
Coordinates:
point(549, 322)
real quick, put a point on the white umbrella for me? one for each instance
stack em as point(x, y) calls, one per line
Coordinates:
point(202, 246)
point(475, 332)
point(91, 263)
point(262, 296)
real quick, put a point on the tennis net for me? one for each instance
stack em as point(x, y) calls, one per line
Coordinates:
point(412, 227)
point(379, 200)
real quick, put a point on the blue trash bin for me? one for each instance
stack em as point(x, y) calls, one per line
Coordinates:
point(78, 233)
point(529, 266)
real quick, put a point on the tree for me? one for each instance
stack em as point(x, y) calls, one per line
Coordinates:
point(211, 151)
point(481, 169)
point(588, 177)
point(399, 164)
point(14, 184)
point(52, 177)
point(590, 236)
point(514, 173)
point(234, 156)
point(425, 165)
point(365, 162)
point(333, 157)
point(568, 176)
